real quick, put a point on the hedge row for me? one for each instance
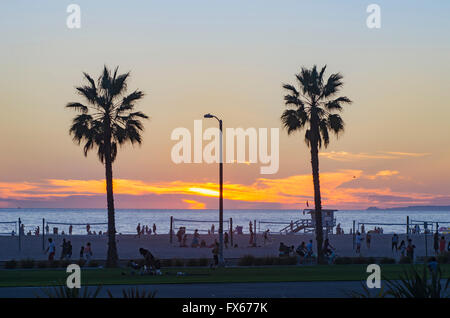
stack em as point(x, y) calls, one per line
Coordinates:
point(30, 263)
point(249, 260)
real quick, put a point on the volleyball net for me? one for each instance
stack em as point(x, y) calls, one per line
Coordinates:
point(8, 228)
point(202, 226)
point(56, 228)
point(420, 226)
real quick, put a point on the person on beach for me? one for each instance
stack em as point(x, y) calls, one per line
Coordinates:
point(251, 241)
point(212, 229)
point(327, 248)
point(410, 250)
point(266, 236)
point(184, 241)
point(402, 248)
point(69, 250)
point(88, 252)
point(338, 229)
point(436, 242)
point(283, 250)
point(225, 239)
point(88, 228)
point(363, 229)
point(154, 229)
point(47, 229)
point(368, 239)
point(250, 227)
point(179, 235)
point(63, 249)
point(138, 230)
point(309, 249)
point(358, 242)
point(70, 229)
point(82, 252)
point(394, 245)
point(150, 262)
point(442, 245)
point(51, 250)
point(195, 240)
point(301, 252)
point(432, 265)
point(215, 252)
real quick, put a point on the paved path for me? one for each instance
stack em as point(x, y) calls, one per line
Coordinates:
point(219, 290)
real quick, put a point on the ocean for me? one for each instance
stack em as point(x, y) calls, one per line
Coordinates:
point(127, 219)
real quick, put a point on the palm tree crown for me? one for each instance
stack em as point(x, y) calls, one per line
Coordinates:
point(315, 103)
point(108, 113)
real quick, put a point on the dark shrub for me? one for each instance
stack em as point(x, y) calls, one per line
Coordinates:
point(65, 263)
point(443, 259)
point(361, 260)
point(258, 261)
point(246, 260)
point(11, 264)
point(53, 264)
point(42, 264)
point(269, 260)
point(203, 262)
point(178, 262)
point(387, 260)
point(192, 262)
point(93, 264)
point(27, 263)
point(405, 260)
point(343, 260)
point(291, 260)
point(166, 263)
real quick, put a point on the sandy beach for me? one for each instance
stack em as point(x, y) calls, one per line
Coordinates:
point(128, 245)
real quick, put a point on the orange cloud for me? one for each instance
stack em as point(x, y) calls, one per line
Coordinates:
point(288, 192)
point(348, 156)
point(195, 204)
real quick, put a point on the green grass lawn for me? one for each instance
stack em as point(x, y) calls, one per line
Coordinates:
point(47, 277)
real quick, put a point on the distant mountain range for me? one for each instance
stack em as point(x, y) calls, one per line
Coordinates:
point(414, 208)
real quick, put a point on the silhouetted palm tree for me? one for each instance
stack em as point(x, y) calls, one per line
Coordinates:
point(108, 119)
point(313, 107)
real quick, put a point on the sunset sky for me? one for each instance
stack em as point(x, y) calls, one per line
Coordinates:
point(229, 58)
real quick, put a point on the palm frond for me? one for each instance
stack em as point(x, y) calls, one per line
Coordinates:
point(78, 106)
point(335, 123)
point(336, 104)
point(293, 119)
point(333, 84)
point(112, 115)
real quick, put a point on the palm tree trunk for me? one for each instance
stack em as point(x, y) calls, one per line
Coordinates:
point(112, 257)
point(317, 199)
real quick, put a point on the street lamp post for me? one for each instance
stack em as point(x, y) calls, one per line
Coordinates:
point(221, 260)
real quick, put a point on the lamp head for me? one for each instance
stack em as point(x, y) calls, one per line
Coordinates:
point(208, 115)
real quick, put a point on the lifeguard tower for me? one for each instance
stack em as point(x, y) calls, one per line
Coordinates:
point(308, 225)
